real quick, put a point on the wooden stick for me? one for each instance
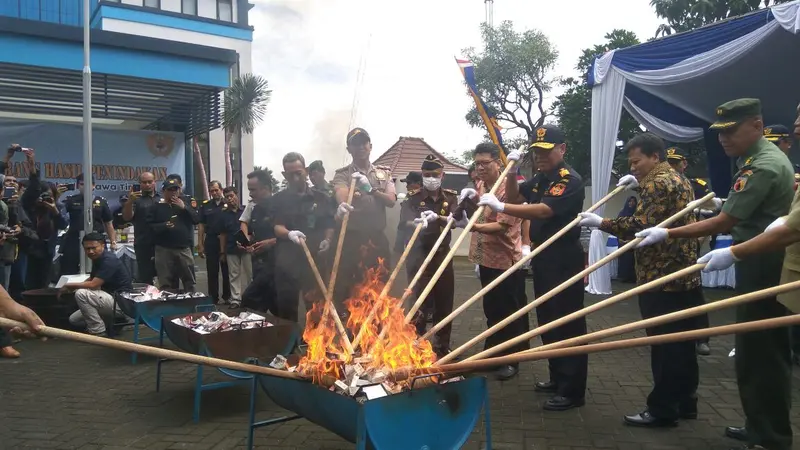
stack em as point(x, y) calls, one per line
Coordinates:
point(671, 317)
point(410, 289)
point(388, 286)
point(541, 329)
point(561, 287)
point(454, 247)
point(516, 358)
point(335, 271)
point(538, 249)
point(336, 319)
point(152, 351)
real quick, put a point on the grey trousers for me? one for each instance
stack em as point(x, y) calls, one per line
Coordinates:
point(173, 266)
point(93, 306)
point(240, 268)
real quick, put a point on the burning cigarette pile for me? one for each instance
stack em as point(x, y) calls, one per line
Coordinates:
point(152, 293)
point(217, 322)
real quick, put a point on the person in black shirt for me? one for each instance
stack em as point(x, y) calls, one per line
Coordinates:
point(238, 261)
point(555, 197)
point(260, 294)
point(135, 210)
point(101, 217)
point(209, 243)
point(172, 220)
point(95, 296)
point(301, 214)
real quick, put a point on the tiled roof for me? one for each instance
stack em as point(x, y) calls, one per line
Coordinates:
point(406, 155)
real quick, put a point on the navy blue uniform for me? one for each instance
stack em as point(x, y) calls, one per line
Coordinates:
point(71, 245)
point(260, 294)
point(143, 244)
point(210, 215)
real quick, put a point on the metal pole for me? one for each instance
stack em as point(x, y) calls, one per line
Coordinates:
point(88, 194)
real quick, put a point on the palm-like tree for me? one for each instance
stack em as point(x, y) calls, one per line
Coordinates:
point(245, 105)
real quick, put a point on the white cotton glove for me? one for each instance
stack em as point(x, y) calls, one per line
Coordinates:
point(652, 236)
point(462, 222)
point(477, 271)
point(778, 222)
point(402, 196)
point(467, 193)
point(629, 181)
point(324, 246)
point(426, 218)
point(590, 220)
point(296, 236)
point(343, 209)
point(526, 250)
point(515, 155)
point(719, 259)
point(717, 203)
point(492, 202)
point(362, 182)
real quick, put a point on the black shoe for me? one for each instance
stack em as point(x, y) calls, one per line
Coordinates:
point(545, 386)
point(645, 419)
point(559, 403)
point(703, 349)
point(506, 373)
point(738, 433)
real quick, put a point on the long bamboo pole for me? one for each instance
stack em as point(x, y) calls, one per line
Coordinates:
point(538, 249)
point(152, 351)
point(388, 286)
point(561, 287)
point(335, 271)
point(671, 317)
point(338, 321)
point(421, 271)
point(538, 331)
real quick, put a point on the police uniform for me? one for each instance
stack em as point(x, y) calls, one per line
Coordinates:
point(173, 236)
point(761, 193)
point(118, 221)
point(144, 244)
point(561, 189)
point(260, 294)
point(365, 243)
point(312, 213)
point(71, 243)
point(403, 233)
point(325, 188)
point(210, 215)
point(443, 202)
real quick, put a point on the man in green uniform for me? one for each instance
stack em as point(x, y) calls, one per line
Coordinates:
point(761, 193)
point(316, 174)
point(779, 135)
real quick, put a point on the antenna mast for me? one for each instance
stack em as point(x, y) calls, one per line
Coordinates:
point(489, 12)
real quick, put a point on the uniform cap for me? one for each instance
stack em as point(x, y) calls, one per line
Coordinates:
point(316, 165)
point(734, 112)
point(412, 177)
point(775, 133)
point(432, 163)
point(547, 137)
point(676, 154)
point(357, 136)
point(170, 183)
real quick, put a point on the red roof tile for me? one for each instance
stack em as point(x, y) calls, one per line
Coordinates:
point(406, 155)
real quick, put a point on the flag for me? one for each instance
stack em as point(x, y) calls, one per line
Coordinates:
point(468, 71)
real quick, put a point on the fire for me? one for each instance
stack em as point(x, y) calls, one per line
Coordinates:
point(326, 356)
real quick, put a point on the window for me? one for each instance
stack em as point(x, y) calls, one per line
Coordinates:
point(225, 10)
point(189, 7)
point(153, 3)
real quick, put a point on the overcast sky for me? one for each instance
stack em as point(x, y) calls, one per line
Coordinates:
point(394, 61)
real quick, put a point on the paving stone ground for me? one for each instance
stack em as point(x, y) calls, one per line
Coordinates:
point(66, 395)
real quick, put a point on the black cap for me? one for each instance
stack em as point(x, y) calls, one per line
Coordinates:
point(357, 136)
point(775, 133)
point(734, 112)
point(170, 183)
point(175, 176)
point(316, 165)
point(412, 177)
point(547, 137)
point(432, 163)
point(676, 154)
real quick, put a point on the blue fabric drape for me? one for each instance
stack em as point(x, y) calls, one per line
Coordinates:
point(661, 109)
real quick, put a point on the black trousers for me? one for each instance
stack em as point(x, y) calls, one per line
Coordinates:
point(796, 339)
point(674, 366)
point(294, 280)
point(213, 266)
point(440, 300)
point(260, 293)
point(70, 254)
point(502, 301)
point(39, 271)
point(568, 373)
point(145, 263)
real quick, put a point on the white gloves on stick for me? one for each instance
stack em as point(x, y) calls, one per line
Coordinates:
point(629, 181)
point(296, 236)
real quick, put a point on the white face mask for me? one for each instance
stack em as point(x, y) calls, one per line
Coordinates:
point(432, 183)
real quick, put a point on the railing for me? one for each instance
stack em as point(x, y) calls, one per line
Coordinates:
point(65, 12)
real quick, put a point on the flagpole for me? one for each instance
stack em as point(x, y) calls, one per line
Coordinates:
point(88, 194)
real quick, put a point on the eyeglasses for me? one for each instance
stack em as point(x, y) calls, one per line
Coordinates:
point(484, 164)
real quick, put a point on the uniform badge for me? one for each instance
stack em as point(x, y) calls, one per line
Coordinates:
point(540, 133)
point(557, 190)
point(380, 174)
point(563, 172)
point(719, 111)
point(748, 161)
point(740, 183)
point(767, 131)
point(443, 212)
point(422, 203)
point(194, 203)
point(445, 204)
point(97, 202)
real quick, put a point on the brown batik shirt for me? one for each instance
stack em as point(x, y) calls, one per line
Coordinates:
point(663, 193)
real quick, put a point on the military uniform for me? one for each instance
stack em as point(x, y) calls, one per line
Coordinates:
point(443, 202)
point(761, 193)
point(173, 236)
point(143, 243)
point(561, 189)
point(260, 294)
point(211, 217)
point(71, 243)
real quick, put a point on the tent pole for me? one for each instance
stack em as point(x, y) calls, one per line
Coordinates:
point(88, 194)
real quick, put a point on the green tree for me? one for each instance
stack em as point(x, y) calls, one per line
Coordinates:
point(685, 15)
point(573, 108)
point(245, 105)
point(273, 181)
point(512, 73)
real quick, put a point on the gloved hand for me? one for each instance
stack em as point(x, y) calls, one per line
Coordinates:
point(467, 193)
point(526, 250)
point(778, 222)
point(343, 209)
point(324, 246)
point(296, 236)
point(362, 182)
point(426, 218)
point(717, 203)
point(590, 220)
point(492, 202)
point(652, 236)
point(515, 155)
point(462, 222)
point(629, 181)
point(719, 259)
point(477, 271)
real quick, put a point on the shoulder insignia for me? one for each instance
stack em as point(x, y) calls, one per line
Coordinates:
point(450, 191)
point(413, 192)
point(224, 206)
point(700, 182)
point(557, 189)
point(205, 201)
point(748, 161)
point(563, 172)
point(739, 184)
point(386, 168)
point(97, 201)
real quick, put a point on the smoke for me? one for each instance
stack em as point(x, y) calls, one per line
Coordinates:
point(328, 143)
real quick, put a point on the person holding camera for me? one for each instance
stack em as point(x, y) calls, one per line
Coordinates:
point(101, 222)
point(141, 200)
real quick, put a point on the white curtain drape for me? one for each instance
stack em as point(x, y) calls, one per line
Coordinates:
point(668, 131)
point(606, 108)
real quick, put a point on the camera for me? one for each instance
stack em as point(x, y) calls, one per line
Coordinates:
point(6, 230)
point(46, 197)
point(17, 148)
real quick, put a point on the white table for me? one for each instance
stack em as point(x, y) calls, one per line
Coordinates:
point(721, 278)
